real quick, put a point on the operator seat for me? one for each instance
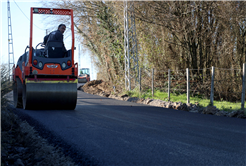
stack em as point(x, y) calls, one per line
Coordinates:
point(54, 49)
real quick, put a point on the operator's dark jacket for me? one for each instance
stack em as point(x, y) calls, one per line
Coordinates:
point(55, 35)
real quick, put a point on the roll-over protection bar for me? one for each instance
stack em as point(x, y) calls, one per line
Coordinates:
point(52, 12)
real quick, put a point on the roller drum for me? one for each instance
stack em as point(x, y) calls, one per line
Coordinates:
point(62, 96)
point(82, 80)
point(17, 93)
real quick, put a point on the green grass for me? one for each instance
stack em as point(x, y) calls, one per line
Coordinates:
point(221, 105)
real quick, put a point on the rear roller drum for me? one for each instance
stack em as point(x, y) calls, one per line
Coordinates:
point(24, 97)
point(17, 93)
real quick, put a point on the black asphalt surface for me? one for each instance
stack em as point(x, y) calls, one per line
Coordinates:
point(122, 133)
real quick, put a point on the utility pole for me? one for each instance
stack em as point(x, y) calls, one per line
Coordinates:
point(10, 42)
point(130, 45)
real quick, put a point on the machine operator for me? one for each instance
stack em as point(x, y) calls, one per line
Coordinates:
point(57, 35)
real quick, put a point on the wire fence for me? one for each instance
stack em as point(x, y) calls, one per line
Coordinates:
point(213, 84)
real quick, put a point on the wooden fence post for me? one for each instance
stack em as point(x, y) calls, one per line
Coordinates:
point(188, 85)
point(152, 82)
point(212, 88)
point(169, 83)
point(243, 87)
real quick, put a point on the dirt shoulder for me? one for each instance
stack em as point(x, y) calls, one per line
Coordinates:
point(105, 89)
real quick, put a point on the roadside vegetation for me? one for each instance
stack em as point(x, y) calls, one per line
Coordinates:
point(8, 119)
point(6, 85)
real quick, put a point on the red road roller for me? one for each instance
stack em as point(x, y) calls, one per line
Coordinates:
point(46, 78)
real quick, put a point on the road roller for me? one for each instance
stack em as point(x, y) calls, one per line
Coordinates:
point(46, 78)
point(84, 75)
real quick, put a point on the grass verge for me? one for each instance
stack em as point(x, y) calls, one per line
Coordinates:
point(203, 102)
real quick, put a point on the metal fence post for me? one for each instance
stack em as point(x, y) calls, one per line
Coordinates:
point(140, 80)
point(243, 87)
point(188, 85)
point(152, 82)
point(169, 83)
point(212, 88)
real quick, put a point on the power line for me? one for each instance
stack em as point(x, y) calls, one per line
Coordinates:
point(25, 15)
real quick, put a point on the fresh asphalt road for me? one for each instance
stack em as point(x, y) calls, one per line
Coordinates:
point(80, 84)
point(123, 133)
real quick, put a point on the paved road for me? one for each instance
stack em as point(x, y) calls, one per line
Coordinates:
point(122, 133)
point(79, 84)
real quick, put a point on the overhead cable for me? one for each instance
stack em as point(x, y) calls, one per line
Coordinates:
point(26, 16)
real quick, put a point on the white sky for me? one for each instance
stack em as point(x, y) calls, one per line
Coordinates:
point(21, 32)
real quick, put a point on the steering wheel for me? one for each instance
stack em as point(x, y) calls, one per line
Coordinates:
point(41, 44)
point(41, 50)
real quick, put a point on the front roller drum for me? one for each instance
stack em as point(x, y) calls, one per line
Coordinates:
point(58, 96)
